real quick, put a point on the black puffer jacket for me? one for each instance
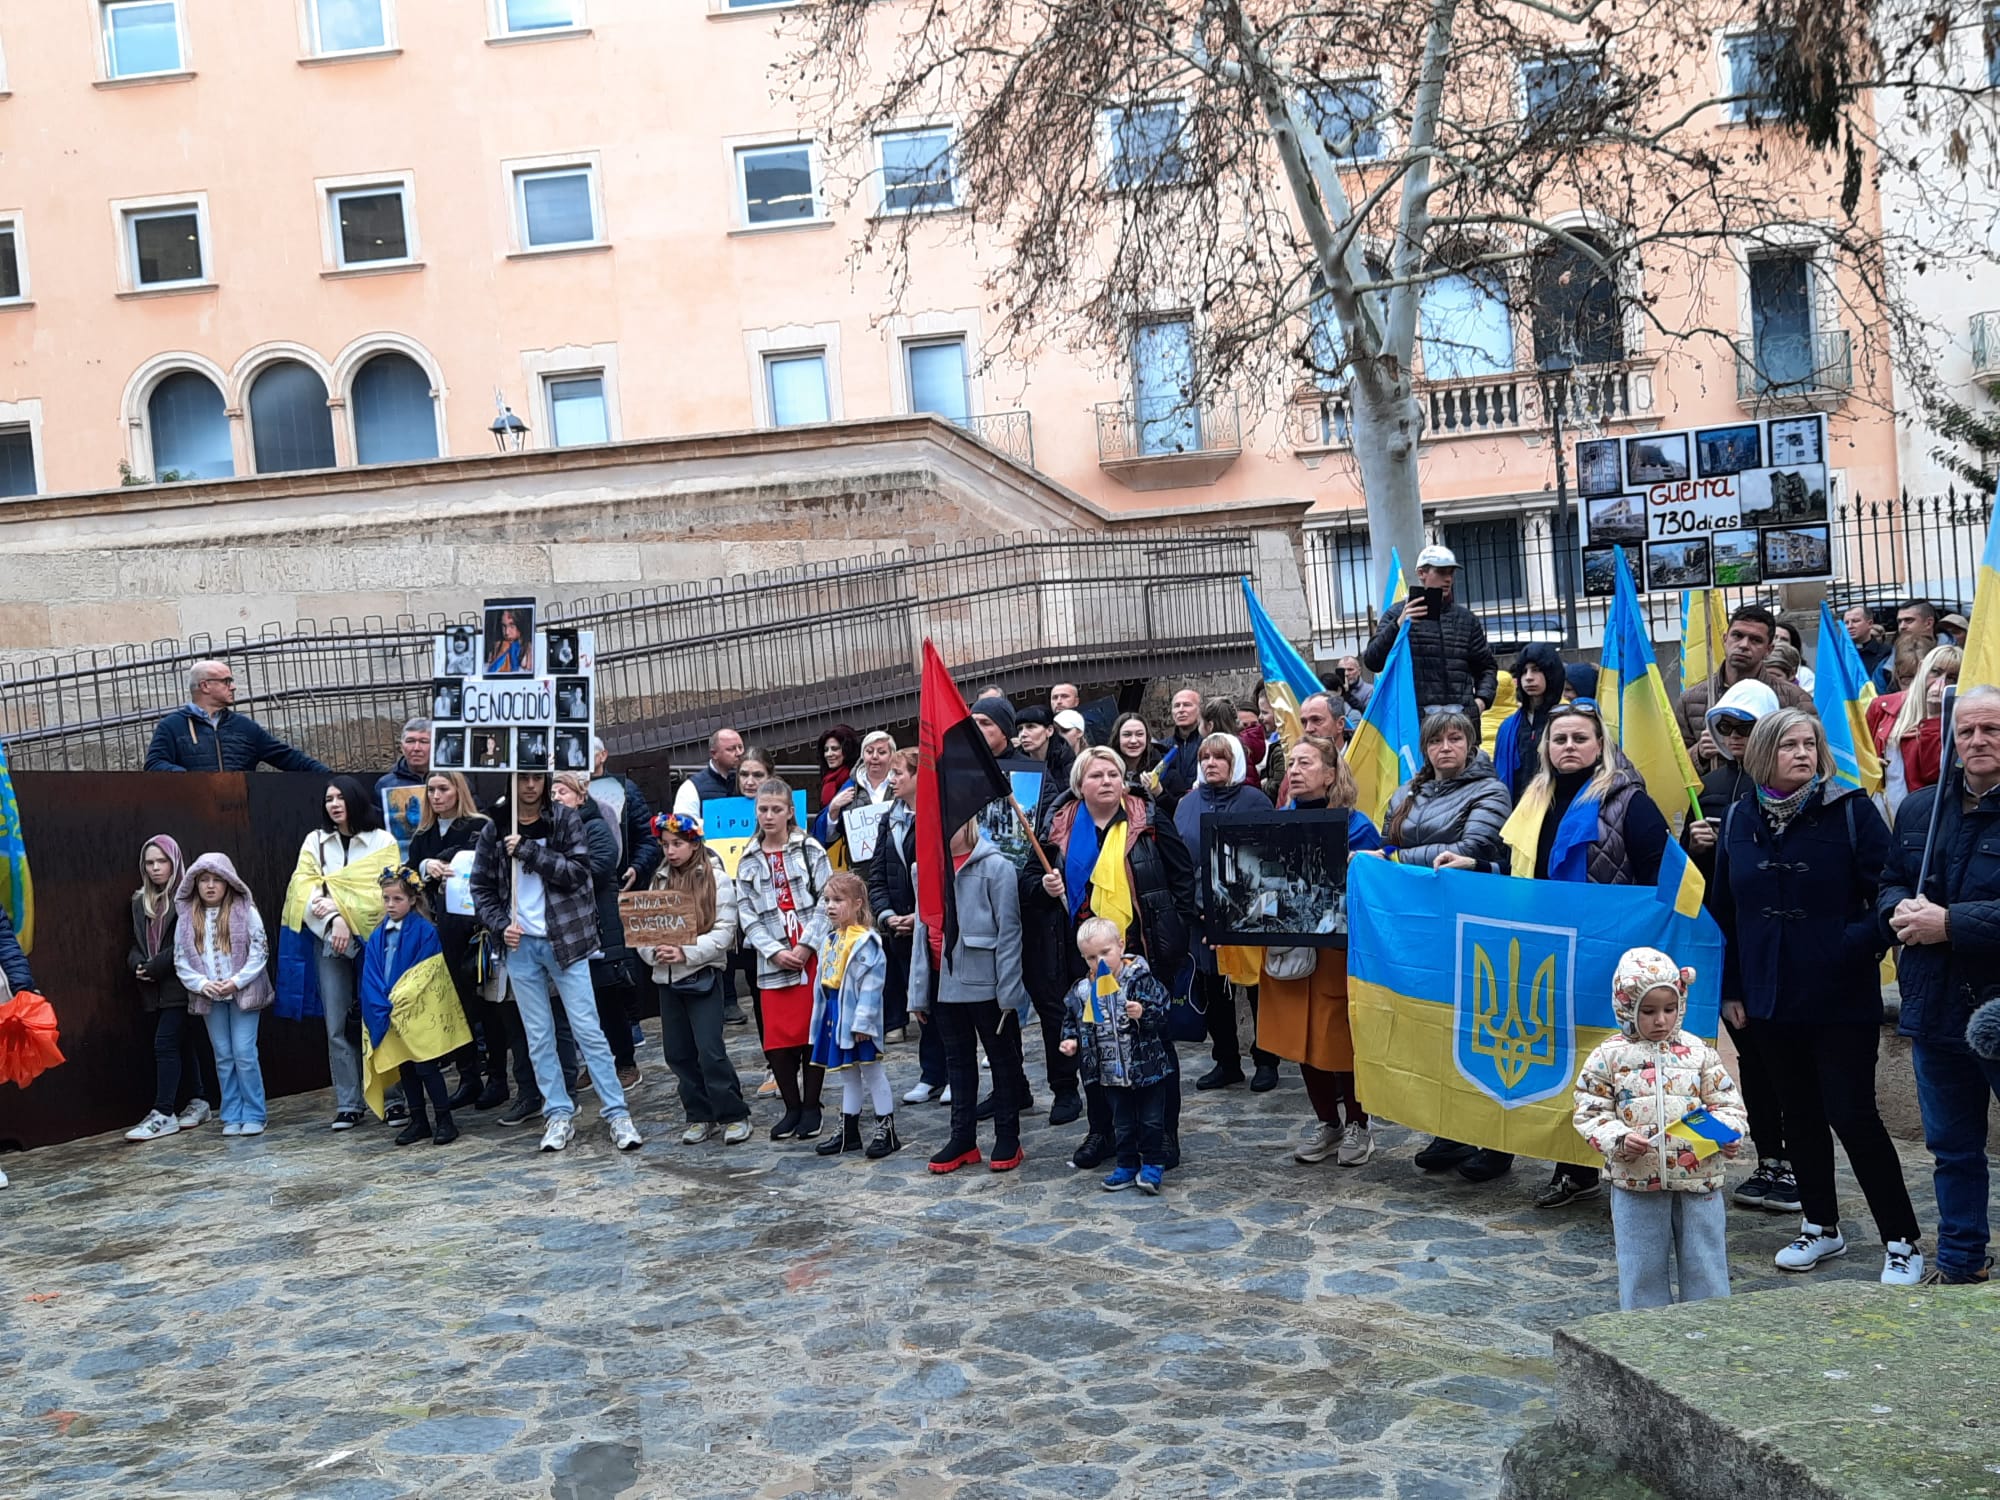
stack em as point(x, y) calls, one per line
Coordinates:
point(1450, 658)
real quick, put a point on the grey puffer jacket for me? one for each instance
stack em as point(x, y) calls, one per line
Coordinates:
point(1460, 816)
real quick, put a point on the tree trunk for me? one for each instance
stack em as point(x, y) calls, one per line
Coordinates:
point(1384, 416)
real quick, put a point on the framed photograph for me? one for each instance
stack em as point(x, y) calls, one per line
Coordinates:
point(1597, 467)
point(1797, 440)
point(563, 652)
point(492, 750)
point(509, 649)
point(1679, 565)
point(1622, 518)
point(402, 812)
point(1275, 880)
point(458, 653)
point(1796, 552)
point(572, 700)
point(573, 750)
point(998, 822)
point(1656, 458)
point(1600, 572)
point(1737, 559)
point(1728, 450)
point(447, 699)
point(448, 749)
point(531, 748)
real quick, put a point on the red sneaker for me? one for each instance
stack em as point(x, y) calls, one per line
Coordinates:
point(1008, 1163)
point(945, 1161)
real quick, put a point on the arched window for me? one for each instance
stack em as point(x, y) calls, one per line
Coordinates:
point(394, 417)
point(1467, 330)
point(190, 428)
point(290, 426)
point(1576, 316)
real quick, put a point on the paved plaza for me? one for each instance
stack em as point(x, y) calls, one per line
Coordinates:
point(325, 1316)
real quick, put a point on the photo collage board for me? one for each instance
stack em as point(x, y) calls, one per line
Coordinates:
point(1707, 507)
point(510, 695)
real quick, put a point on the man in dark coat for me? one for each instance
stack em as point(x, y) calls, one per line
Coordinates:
point(1451, 662)
point(1950, 931)
point(206, 734)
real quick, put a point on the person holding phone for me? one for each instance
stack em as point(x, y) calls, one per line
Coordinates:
point(1453, 665)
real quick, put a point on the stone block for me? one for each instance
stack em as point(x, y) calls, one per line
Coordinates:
point(498, 569)
point(69, 574)
point(356, 606)
point(24, 627)
point(94, 624)
point(165, 573)
point(216, 616)
point(332, 566)
point(596, 562)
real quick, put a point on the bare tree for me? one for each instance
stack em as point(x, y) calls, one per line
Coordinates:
point(1333, 188)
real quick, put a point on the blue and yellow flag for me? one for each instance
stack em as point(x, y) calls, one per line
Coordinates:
point(1383, 753)
point(1704, 622)
point(1395, 586)
point(17, 887)
point(1475, 999)
point(1981, 667)
point(1841, 695)
point(1100, 1001)
point(1701, 1130)
point(1287, 678)
point(409, 1009)
point(1632, 697)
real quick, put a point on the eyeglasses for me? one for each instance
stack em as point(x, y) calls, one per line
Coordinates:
point(208, 681)
point(1585, 706)
point(1729, 724)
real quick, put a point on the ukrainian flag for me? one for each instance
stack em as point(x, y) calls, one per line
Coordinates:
point(409, 1012)
point(17, 887)
point(1396, 586)
point(1704, 1132)
point(1633, 700)
point(1383, 752)
point(1474, 999)
point(1287, 678)
point(1981, 667)
point(1704, 622)
point(1841, 695)
point(1100, 1001)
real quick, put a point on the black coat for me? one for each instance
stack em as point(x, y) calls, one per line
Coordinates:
point(182, 741)
point(604, 863)
point(1943, 983)
point(455, 932)
point(1798, 911)
point(160, 989)
point(1449, 658)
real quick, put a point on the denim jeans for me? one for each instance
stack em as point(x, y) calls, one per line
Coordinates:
point(1657, 1233)
point(691, 1038)
point(343, 1054)
point(1139, 1124)
point(532, 970)
point(233, 1035)
point(1954, 1091)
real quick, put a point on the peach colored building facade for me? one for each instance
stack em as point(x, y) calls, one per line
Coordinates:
point(251, 238)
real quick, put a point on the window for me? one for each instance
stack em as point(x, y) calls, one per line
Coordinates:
point(1992, 34)
point(17, 461)
point(190, 428)
point(1562, 92)
point(141, 37)
point(777, 183)
point(1781, 322)
point(13, 279)
point(936, 369)
point(1350, 569)
point(1466, 329)
point(796, 385)
point(1576, 318)
point(290, 425)
point(1163, 386)
point(1752, 65)
point(1349, 117)
point(1490, 566)
point(349, 26)
point(577, 412)
point(517, 16)
point(557, 207)
point(1144, 145)
point(369, 226)
point(395, 416)
point(916, 171)
point(165, 246)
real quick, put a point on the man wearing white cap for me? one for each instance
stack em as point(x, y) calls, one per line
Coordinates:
point(1453, 666)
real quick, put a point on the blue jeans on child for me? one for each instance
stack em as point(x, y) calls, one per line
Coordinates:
point(232, 1032)
point(532, 970)
point(1139, 1124)
point(1954, 1092)
point(1655, 1232)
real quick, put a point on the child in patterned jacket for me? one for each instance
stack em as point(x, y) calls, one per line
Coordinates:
point(1666, 1199)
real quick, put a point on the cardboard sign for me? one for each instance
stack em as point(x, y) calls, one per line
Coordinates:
point(863, 823)
point(654, 919)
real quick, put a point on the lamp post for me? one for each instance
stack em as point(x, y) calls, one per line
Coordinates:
point(1555, 395)
point(508, 430)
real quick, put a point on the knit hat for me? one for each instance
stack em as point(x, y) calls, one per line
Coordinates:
point(999, 710)
point(1641, 971)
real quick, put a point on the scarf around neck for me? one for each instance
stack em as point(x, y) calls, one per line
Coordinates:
point(1779, 811)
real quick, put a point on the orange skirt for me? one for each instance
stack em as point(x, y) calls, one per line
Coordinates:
point(1305, 1020)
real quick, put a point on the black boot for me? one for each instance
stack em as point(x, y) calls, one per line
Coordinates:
point(886, 1139)
point(847, 1139)
point(493, 1095)
point(446, 1132)
point(810, 1121)
point(419, 1128)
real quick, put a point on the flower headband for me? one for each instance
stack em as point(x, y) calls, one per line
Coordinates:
point(685, 824)
point(405, 877)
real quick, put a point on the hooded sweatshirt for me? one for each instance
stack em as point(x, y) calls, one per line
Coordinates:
point(204, 951)
point(152, 954)
point(1629, 1085)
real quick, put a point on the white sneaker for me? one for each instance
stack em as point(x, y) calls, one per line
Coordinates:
point(197, 1113)
point(624, 1134)
point(1321, 1144)
point(945, 1097)
point(1813, 1245)
point(230, 1127)
point(921, 1094)
point(153, 1127)
point(1357, 1144)
point(697, 1132)
point(1903, 1265)
point(558, 1134)
point(250, 1127)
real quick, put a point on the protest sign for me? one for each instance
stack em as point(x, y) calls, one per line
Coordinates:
point(402, 812)
point(654, 919)
point(863, 824)
point(728, 824)
point(509, 697)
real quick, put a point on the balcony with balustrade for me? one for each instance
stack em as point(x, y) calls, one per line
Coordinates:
point(1170, 446)
point(1486, 406)
point(1986, 346)
point(1806, 372)
point(1012, 432)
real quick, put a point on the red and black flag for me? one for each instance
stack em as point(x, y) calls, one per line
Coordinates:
point(956, 780)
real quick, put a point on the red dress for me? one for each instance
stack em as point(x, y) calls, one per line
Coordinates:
point(788, 1011)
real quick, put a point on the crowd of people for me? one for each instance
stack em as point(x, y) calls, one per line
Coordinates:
point(1808, 882)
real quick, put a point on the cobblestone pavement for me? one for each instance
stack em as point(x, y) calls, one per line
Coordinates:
point(317, 1315)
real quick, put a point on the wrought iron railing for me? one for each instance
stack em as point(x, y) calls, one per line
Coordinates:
point(1799, 366)
point(1128, 430)
point(1012, 432)
point(1985, 345)
point(775, 654)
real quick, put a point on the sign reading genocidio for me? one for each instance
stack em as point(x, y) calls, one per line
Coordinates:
point(509, 696)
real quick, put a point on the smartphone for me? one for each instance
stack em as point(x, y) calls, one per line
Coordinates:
point(1433, 602)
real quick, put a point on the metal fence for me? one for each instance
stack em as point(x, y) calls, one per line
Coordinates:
point(776, 654)
point(1516, 571)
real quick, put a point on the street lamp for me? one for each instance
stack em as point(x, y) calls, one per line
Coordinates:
point(508, 430)
point(1555, 373)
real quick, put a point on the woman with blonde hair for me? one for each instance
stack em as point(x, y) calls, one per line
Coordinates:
point(1912, 743)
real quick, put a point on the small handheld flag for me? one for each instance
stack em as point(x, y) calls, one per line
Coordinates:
point(1100, 1000)
point(1701, 1130)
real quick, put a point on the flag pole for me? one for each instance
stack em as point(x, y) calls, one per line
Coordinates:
point(1029, 829)
point(1949, 754)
